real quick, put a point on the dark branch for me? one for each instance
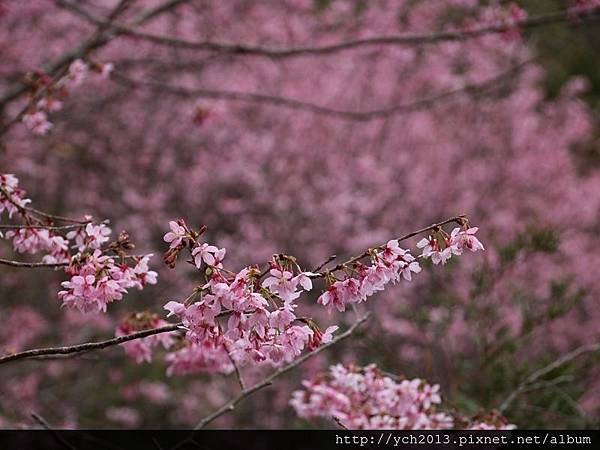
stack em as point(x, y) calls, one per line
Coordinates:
point(277, 53)
point(273, 100)
point(89, 345)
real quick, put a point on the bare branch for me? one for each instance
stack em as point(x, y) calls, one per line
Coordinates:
point(32, 265)
point(17, 226)
point(51, 265)
point(230, 405)
point(278, 53)
point(527, 384)
point(238, 374)
point(283, 102)
point(23, 210)
point(89, 345)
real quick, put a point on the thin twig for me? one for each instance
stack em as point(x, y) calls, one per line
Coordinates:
point(51, 265)
point(565, 359)
point(23, 210)
point(39, 227)
point(44, 423)
point(324, 263)
point(230, 405)
point(32, 265)
point(460, 220)
point(339, 423)
point(238, 374)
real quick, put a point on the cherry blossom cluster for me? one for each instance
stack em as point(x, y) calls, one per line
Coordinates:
point(393, 263)
point(98, 279)
point(261, 325)
point(29, 239)
point(250, 316)
point(367, 398)
point(509, 16)
point(12, 197)
point(198, 358)
point(141, 349)
point(50, 95)
point(440, 247)
point(101, 272)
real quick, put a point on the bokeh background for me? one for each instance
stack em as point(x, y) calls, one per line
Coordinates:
point(515, 146)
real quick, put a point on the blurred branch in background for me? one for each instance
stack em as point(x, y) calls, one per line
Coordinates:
point(475, 89)
point(531, 382)
point(381, 41)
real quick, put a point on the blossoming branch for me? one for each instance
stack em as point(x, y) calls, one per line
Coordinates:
point(100, 271)
point(261, 305)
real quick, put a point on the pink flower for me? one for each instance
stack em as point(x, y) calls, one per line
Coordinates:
point(97, 235)
point(50, 104)
point(141, 349)
point(78, 71)
point(210, 254)
point(37, 122)
point(429, 395)
point(283, 283)
point(392, 251)
point(319, 338)
point(199, 358)
point(328, 335)
point(281, 318)
point(294, 340)
point(176, 235)
point(175, 308)
point(431, 249)
point(409, 266)
point(106, 70)
point(304, 280)
point(465, 239)
point(333, 298)
point(143, 273)
point(365, 398)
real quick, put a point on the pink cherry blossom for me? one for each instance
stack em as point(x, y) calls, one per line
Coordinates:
point(37, 122)
point(141, 350)
point(209, 254)
point(464, 239)
point(176, 235)
point(366, 398)
point(97, 235)
point(78, 71)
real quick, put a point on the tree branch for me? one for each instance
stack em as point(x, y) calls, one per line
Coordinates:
point(278, 53)
point(32, 265)
point(89, 345)
point(531, 379)
point(283, 102)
